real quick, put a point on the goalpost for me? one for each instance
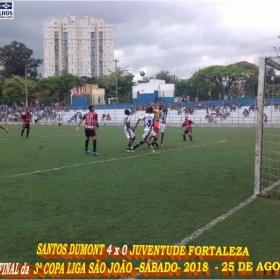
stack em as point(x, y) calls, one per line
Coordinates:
point(267, 149)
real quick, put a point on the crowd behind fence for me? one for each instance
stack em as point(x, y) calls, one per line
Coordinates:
point(203, 113)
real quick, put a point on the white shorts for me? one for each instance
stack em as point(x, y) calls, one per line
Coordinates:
point(129, 133)
point(148, 133)
point(162, 127)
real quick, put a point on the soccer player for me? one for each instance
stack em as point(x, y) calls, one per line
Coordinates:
point(36, 120)
point(26, 119)
point(156, 120)
point(162, 122)
point(187, 124)
point(91, 125)
point(3, 127)
point(59, 119)
point(148, 130)
point(128, 130)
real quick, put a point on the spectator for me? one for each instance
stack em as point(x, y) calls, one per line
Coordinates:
point(104, 120)
point(245, 112)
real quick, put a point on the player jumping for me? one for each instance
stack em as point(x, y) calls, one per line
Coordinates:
point(149, 134)
point(128, 130)
point(162, 121)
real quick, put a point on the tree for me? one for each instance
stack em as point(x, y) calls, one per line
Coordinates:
point(15, 58)
point(221, 77)
point(250, 84)
point(58, 87)
point(14, 89)
point(125, 83)
point(164, 75)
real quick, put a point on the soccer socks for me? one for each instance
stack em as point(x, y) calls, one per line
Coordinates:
point(184, 137)
point(86, 145)
point(22, 132)
point(94, 145)
point(138, 145)
point(27, 133)
point(190, 137)
point(155, 143)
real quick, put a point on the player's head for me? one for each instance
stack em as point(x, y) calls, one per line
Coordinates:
point(186, 117)
point(91, 108)
point(127, 112)
point(152, 103)
point(150, 110)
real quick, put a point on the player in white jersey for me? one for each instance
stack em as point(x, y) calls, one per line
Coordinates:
point(149, 134)
point(162, 122)
point(128, 130)
point(59, 121)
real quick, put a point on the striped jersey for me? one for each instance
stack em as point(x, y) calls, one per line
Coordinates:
point(126, 121)
point(148, 120)
point(163, 116)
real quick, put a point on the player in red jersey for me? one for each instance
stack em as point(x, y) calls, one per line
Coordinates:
point(187, 124)
point(26, 119)
point(91, 125)
point(3, 127)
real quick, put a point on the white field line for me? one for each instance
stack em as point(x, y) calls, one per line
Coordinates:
point(216, 221)
point(200, 231)
point(107, 160)
point(60, 135)
point(5, 139)
point(222, 217)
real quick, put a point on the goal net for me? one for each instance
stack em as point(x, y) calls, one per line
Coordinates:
point(267, 150)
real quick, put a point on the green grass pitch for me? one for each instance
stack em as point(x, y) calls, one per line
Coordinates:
point(51, 192)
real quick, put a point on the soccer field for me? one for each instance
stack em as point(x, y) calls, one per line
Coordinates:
point(51, 192)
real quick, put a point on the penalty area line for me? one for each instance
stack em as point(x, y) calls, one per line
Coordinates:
point(216, 221)
point(222, 217)
point(106, 160)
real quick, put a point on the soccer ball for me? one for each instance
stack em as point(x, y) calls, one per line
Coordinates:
point(142, 73)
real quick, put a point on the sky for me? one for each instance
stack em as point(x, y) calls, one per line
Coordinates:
point(180, 37)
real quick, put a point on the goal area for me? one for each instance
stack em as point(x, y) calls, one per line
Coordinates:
point(267, 149)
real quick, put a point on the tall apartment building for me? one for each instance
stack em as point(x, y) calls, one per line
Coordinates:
point(81, 46)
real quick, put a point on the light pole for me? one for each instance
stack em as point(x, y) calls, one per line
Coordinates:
point(26, 91)
point(25, 85)
point(116, 66)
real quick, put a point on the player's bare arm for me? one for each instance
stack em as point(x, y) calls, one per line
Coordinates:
point(79, 124)
point(135, 126)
